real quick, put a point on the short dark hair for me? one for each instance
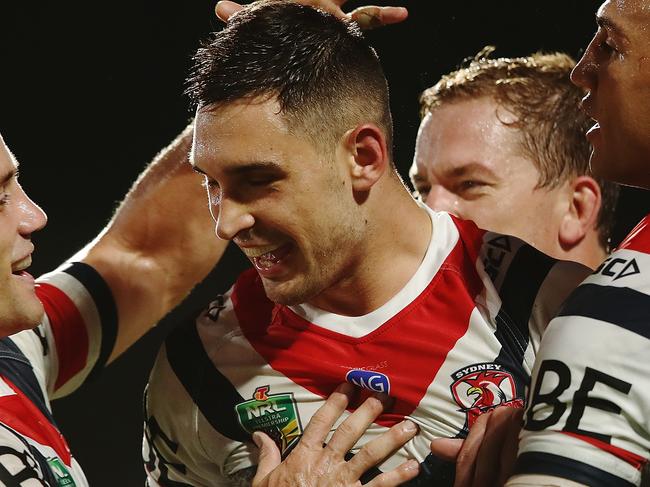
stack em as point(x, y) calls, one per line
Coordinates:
point(324, 75)
point(537, 89)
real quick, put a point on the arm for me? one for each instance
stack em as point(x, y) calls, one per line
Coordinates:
point(158, 245)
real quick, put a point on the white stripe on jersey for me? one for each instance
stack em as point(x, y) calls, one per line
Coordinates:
point(570, 447)
point(617, 352)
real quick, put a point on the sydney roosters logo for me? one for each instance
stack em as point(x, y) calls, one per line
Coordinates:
point(479, 388)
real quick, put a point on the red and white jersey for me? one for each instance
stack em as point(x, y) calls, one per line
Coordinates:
point(589, 413)
point(73, 341)
point(447, 347)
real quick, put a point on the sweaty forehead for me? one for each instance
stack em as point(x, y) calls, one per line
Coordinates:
point(8, 162)
point(631, 16)
point(240, 125)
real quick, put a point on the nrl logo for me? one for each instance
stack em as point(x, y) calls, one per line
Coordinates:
point(479, 388)
point(274, 414)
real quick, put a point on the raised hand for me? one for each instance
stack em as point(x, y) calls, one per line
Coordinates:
point(367, 16)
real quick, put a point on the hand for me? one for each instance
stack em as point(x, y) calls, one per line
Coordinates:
point(487, 456)
point(311, 464)
point(368, 16)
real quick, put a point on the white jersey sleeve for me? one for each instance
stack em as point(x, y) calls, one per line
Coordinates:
point(78, 330)
point(587, 418)
point(174, 450)
point(74, 339)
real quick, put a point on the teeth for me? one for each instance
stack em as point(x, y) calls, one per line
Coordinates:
point(253, 252)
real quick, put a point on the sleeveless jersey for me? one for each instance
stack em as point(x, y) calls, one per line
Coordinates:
point(447, 348)
point(589, 413)
point(52, 360)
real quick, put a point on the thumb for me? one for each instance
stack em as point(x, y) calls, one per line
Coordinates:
point(269, 457)
point(370, 16)
point(225, 9)
point(446, 448)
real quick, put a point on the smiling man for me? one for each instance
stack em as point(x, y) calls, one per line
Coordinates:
point(353, 280)
point(502, 143)
point(60, 330)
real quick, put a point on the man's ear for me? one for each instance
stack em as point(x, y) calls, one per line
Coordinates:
point(368, 155)
point(582, 213)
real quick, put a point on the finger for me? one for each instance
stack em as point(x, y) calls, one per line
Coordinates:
point(509, 456)
point(225, 9)
point(269, 457)
point(349, 431)
point(378, 449)
point(405, 472)
point(466, 460)
point(446, 448)
point(371, 16)
point(488, 459)
point(331, 6)
point(323, 420)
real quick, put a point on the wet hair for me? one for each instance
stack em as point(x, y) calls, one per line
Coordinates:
point(320, 69)
point(546, 105)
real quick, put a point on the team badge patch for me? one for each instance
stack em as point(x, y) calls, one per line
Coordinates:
point(60, 471)
point(274, 414)
point(479, 388)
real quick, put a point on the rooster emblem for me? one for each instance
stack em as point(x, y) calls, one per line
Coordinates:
point(482, 387)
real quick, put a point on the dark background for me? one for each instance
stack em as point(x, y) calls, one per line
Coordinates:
point(90, 91)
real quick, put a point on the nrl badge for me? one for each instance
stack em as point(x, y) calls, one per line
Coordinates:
point(273, 414)
point(63, 477)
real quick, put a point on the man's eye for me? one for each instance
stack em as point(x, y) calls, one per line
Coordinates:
point(606, 47)
point(470, 185)
point(214, 191)
point(260, 181)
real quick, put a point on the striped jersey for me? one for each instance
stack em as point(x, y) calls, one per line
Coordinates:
point(458, 340)
point(50, 361)
point(589, 414)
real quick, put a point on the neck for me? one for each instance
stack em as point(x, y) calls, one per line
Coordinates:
point(396, 241)
point(588, 252)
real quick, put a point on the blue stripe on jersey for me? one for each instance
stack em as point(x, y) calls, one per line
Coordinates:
point(567, 468)
point(105, 303)
point(518, 292)
point(210, 390)
point(631, 311)
point(17, 368)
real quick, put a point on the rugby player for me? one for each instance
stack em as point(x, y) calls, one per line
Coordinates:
point(293, 136)
point(587, 421)
point(501, 143)
point(62, 329)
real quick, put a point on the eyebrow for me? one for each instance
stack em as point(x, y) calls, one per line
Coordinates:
point(611, 26)
point(9, 175)
point(244, 169)
point(471, 167)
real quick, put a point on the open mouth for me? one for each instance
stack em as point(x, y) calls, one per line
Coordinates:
point(267, 258)
point(19, 268)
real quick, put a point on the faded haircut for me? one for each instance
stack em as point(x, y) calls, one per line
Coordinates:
point(538, 91)
point(322, 72)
